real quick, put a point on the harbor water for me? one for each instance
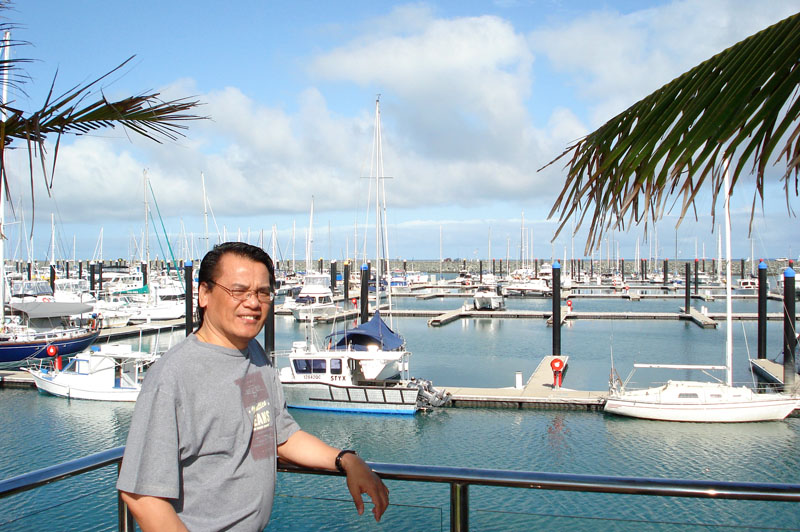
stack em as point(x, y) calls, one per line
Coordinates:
point(39, 430)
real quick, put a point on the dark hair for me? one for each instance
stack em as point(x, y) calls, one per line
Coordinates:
point(210, 264)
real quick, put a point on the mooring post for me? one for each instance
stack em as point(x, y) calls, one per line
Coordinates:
point(687, 298)
point(53, 279)
point(364, 300)
point(333, 276)
point(762, 309)
point(696, 263)
point(91, 279)
point(144, 274)
point(741, 268)
point(346, 281)
point(321, 264)
point(622, 269)
point(189, 297)
point(789, 334)
point(100, 275)
point(666, 272)
point(556, 309)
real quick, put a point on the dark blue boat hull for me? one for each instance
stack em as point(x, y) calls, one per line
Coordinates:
point(16, 351)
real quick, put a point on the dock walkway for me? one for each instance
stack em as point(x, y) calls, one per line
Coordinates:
point(538, 392)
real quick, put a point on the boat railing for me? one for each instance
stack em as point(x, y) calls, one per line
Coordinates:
point(459, 480)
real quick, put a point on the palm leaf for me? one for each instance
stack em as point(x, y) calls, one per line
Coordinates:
point(741, 105)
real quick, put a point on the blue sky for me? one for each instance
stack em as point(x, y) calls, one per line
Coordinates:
point(475, 98)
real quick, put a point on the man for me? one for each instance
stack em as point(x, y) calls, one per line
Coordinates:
point(211, 416)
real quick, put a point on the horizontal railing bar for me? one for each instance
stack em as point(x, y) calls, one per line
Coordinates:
point(486, 477)
point(46, 475)
point(575, 482)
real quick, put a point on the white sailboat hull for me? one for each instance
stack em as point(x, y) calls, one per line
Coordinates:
point(700, 402)
point(488, 301)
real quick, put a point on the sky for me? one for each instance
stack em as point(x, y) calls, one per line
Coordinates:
point(475, 97)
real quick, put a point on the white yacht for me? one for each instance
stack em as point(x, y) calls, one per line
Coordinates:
point(488, 297)
point(364, 369)
point(107, 372)
point(315, 299)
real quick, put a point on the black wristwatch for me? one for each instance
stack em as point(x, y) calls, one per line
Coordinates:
point(339, 458)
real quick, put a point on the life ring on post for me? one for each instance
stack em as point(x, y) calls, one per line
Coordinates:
point(557, 364)
point(52, 350)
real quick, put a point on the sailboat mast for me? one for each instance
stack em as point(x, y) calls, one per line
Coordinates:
point(146, 224)
point(6, 55)
point(205, 208)
point(728, 301)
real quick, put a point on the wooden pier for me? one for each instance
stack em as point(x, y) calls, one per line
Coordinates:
point(538, 392)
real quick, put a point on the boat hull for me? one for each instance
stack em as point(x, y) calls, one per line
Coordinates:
point(17, 351)
point(370, 399)
point(701, 403)
point(64, 388)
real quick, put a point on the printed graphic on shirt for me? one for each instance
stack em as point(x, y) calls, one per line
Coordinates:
point(255, 400)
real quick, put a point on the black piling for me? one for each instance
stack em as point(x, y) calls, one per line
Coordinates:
point(91, 278)
point(762, 309)
point(66, 269)
point(696, 263)
point(480, 271)
point(333, 276)
point(100, 276)
point(666, 272)
point(346, 281)
point(189, 297)
point(144, 274)
point(53, 278)
point(741, 268)
point(687, 299)
point(364, 299)
point(622, 269)
point(789, 334)
point(320, 266)
point(80, 269)
point(29, 271)
point(556, 309)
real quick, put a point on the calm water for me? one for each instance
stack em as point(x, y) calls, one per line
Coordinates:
point(39, 430)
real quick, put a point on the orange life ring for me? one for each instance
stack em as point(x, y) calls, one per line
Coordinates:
point(557, 364)
point(52, 350)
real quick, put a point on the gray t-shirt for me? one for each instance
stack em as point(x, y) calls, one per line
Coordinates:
point(204, 435)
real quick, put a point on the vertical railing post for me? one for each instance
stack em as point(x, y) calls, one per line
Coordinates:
point(459, 507)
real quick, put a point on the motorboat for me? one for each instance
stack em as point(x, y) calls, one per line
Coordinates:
point(36, 327)
point(488, 297)
point(527, 287)
point(107, 372)
point(315, 299)
point(363, 369)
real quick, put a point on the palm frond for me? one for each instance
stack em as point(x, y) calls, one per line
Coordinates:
point(739, 105)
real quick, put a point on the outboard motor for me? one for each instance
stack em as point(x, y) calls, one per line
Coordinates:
point(429, 397)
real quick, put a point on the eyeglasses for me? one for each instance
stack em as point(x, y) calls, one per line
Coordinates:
point(263, 295)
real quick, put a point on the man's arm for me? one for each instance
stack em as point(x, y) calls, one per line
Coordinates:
point(153, 513)
point(307, 450)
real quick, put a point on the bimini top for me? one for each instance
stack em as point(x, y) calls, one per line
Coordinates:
point(373, 332)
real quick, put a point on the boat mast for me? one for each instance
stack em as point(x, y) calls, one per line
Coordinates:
point(728, 301)
point(310, 238)
point(205, 208)
point(6, 55)
point(146, 224)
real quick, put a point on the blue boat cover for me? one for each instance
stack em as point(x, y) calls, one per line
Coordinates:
point(375, 330)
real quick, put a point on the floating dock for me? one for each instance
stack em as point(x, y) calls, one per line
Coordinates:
point(538, 392)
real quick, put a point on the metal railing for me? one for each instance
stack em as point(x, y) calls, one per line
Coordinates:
point(458, 478)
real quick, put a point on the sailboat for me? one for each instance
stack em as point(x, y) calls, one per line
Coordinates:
point(698, 401)
point(363, 369)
